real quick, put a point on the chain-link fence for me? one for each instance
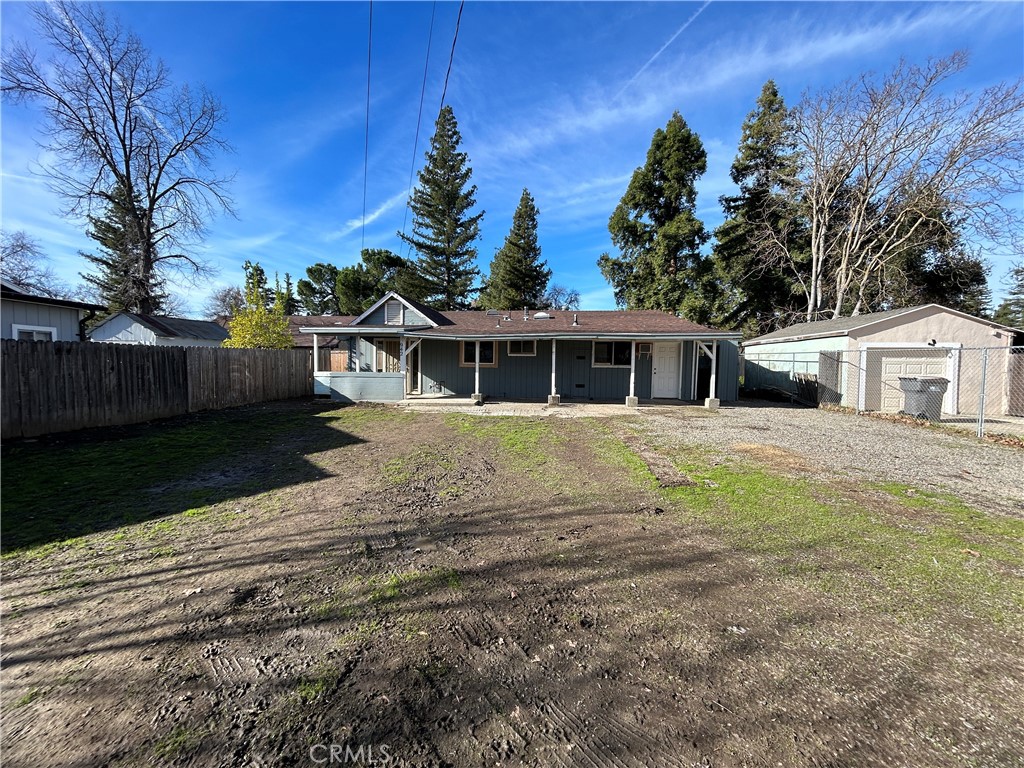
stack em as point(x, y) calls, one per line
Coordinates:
point(977, 389)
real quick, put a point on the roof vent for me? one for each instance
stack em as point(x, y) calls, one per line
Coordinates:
point(542, 316)
point(575, 319)
point(493, 312)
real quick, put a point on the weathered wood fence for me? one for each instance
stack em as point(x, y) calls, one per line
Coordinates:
point(65, 385)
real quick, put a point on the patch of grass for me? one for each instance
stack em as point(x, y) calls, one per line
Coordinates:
point(405, 585)
point(55, 492)
point(401, 469)
point(527, 444)
point(913, 553)
point(28, 698)
point(180, 742)
point(363, 416)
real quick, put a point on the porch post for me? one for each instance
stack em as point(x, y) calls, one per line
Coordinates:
point(358, 354)
point(478, 397)
point(713, 402)
point(553, 398)
point(316, 356)
point(632, 401)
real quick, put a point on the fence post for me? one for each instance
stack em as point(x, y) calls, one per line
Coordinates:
point(981, 396)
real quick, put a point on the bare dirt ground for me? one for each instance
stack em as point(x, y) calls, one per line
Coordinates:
point(423, 589)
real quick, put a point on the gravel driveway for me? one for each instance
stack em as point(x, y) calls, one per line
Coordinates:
point(987, 475)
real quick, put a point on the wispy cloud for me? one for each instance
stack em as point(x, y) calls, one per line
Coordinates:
point(352, 225)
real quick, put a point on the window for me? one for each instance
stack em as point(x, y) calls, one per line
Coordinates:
point(33, 332)
point(393, 312)
point(614, 354)
point(487, 354)
point(522, 348)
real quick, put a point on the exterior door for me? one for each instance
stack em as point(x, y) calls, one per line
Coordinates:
point(665, 373)
point(903, 362)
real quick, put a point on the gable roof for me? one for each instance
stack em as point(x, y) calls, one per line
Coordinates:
point(297, 322)
point(842, 326)
point(176, 327)
point(432, 316)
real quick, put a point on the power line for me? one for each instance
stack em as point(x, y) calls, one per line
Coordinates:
point(451, 57)
point(366, 142)
point(419, 116)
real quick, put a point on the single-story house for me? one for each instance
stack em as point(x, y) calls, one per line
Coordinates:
point(158, 330)
point(400, 347)
point(29, 317)
point(333, 351)
point(858, 361)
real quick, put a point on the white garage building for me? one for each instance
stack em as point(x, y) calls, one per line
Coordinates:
point(857, 361)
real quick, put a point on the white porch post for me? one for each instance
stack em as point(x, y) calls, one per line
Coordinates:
point(632, 401)
point(477, 394)
point(316, 356)
point(358, 356)
point(714, 369)
point(553, 398)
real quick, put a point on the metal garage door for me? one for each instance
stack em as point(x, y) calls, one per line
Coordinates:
point(908, 362)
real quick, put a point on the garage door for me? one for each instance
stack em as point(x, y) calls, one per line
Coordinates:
point(908, 362)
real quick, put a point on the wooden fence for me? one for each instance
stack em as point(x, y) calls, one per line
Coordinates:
point(65, 385)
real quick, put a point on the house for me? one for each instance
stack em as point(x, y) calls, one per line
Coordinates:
point(158, 330)
point(333, 351)
point(399, 348)
point(858, 361)
point(29, 317)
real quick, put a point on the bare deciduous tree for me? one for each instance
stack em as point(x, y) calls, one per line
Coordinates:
point(115, 121)
point(894, 165)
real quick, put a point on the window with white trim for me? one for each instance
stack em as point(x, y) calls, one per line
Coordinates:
point(33, 332)
point(522, 348)
point(488, 357)
point(611, 354)
point(393, 312)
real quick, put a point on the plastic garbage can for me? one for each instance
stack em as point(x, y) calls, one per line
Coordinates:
point(922, 397)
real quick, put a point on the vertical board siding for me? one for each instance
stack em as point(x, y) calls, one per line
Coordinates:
point(49, 387)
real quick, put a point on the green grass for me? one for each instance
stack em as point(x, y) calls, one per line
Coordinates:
point(906, 551)
point(28, 698)
point(527, 444)
point(178, 743)
point(55, 494)
point(405, 585)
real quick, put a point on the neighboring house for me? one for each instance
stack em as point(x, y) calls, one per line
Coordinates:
point(858, 361)
point(27, 317)
point(332, 351)
point(158, 330)
point(399, 347)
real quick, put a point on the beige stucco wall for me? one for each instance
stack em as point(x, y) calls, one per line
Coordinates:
point(946, 328)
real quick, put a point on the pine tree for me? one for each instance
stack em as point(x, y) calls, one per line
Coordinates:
point(121, 281)
point(258, 324)
point(443, 230)
point(285, 294)
point(518, 278)
point(656, 228)
point(318, 294)
point(380, 271)
point(758, 297)
point(1011, 310)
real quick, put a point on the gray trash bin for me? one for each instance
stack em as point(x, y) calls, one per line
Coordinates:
point(922, 397)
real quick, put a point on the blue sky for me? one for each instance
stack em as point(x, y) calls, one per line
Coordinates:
point(561, 98)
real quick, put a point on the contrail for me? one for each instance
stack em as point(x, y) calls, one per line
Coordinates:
point(662, 49)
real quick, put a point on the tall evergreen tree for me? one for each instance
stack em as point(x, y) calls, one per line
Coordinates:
point(380, 271)
point(284, 295)
point(1011, 310)
point(443, 229)
point(518, 278)
point(121, 281)
point(656, 228)
point(759, 287)
point(318, 293)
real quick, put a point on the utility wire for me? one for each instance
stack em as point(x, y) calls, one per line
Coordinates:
point(366, 142)
point(419, 117)
point(451, 57)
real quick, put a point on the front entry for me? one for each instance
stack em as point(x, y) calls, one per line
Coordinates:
point(665, 374)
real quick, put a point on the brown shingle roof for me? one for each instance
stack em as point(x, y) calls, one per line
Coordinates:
point(589, 323)
point(295, 322)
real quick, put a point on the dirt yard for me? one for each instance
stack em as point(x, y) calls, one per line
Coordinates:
point(304, 585)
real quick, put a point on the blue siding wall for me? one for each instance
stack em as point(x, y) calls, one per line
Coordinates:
point(529, 378)
point(353, 387)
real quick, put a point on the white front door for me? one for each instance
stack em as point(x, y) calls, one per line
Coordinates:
point(665, 374)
